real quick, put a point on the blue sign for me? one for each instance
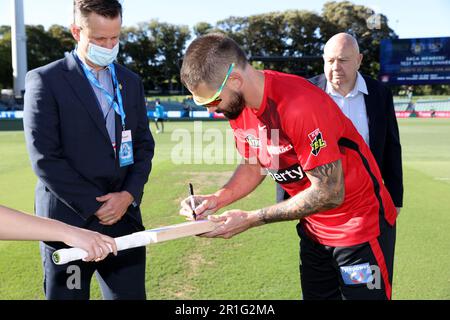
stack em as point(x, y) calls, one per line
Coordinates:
point(11, 115)
point(415, 61)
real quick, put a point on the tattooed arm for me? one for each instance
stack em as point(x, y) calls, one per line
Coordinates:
point(326, 192)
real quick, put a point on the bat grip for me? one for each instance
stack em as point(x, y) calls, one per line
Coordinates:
point(134, 240)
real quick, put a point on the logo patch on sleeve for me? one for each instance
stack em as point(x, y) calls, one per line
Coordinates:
point(317, 142)
point(357, 274)
point(253, 141)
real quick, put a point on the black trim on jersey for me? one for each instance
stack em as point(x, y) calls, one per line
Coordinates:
point(344, 142)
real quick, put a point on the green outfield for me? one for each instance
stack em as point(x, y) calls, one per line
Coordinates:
point(261, 263)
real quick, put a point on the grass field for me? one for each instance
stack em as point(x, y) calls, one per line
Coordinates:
point(261, 263)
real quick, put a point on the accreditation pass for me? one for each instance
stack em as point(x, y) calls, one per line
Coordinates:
point(126, 149)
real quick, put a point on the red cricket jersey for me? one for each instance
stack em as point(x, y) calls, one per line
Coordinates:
point(297, 128)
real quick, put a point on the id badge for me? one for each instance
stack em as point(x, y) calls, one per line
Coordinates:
point(126, 149)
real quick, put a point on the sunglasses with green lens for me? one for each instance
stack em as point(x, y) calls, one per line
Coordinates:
point(215, 99)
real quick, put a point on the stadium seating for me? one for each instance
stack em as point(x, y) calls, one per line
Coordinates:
point(430, 105)
point(422, 105)
point(401, 104)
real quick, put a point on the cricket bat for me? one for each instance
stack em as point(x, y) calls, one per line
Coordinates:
point(142, 238)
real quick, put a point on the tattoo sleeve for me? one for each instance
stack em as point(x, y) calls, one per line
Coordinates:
point(326, 192)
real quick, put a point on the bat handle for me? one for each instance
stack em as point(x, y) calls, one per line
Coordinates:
point(133, 240)
point(64, 256)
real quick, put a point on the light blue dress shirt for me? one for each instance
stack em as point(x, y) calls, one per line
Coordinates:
point(354, 106)
point(104, 77)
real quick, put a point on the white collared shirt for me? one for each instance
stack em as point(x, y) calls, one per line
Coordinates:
point(354, 106)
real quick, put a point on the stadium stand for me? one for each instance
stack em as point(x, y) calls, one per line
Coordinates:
point(432, 105)
point(401, 104)
point(422, 105)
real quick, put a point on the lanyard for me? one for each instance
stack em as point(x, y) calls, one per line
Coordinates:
point(117, 106)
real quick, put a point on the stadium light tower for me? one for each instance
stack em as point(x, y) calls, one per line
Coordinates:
point(19, 47)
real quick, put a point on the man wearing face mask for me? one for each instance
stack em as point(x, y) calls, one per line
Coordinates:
point(90, 146)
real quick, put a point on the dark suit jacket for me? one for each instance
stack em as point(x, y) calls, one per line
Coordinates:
point(383, 134)
point(69, 146)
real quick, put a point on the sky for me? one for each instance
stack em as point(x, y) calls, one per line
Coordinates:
point(409, 19)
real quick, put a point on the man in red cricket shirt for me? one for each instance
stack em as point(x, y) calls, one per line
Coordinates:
point(293, 131)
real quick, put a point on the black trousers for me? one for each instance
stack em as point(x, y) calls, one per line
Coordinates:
point(120, 277)
point(361, 272)
point(159, 121)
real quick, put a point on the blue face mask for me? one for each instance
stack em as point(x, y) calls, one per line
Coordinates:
point(102, 56)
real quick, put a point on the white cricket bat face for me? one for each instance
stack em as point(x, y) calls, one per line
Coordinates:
point(181, 230)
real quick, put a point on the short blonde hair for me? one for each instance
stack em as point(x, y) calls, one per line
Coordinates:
point(208, 58)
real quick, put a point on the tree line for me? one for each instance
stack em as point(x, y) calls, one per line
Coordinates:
point(154, 49)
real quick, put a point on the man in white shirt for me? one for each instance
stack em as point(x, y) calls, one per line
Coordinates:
point(353, 105)
point(345, 84)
